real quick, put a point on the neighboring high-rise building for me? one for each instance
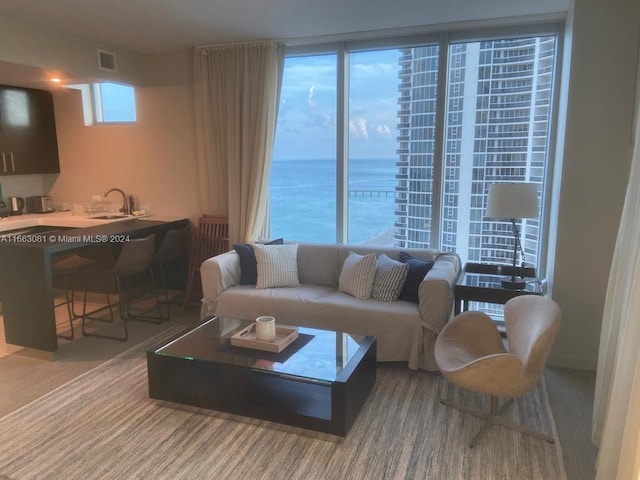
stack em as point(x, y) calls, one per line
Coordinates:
point(416, 145)
point(496, 130)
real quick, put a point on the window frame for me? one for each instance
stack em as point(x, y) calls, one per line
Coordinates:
point(92, 104)
point(97, 101)
point(443, 40)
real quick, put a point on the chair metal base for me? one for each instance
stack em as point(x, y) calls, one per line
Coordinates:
point(124, 302)
point(493, 417)
point(69, 301)
point(163, 291)
point(191, 288)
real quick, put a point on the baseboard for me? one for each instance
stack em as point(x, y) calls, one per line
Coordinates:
point(576, 363)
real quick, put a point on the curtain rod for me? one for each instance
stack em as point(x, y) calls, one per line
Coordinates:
point(428, 28)
point(239, 44)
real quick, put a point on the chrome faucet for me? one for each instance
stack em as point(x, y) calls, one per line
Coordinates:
point(125, 201)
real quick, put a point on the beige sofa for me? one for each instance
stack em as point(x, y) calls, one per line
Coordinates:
point(405, 331)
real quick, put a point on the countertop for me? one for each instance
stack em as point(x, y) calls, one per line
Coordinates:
point(77, 230)
point(53, 219)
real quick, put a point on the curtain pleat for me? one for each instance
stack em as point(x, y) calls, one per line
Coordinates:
point(616, 414)
point(237, 89)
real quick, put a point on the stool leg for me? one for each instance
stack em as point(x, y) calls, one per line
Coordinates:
point(109, 306)
point(188, 290)
point(163, 279)
point(154, 288)
point(142, 316)
point(69, 303)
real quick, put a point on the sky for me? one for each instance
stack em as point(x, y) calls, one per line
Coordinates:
point(306, 126)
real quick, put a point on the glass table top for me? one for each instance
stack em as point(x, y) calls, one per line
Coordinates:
point(324, 355)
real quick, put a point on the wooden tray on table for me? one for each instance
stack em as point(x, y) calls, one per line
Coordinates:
point(247, 338)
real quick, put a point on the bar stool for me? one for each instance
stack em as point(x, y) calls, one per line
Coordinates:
point(62, 269)
point(133, 261)
point(174, 249)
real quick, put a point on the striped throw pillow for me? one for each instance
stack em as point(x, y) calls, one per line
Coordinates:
point(277, 265)
point(389, 279)
point(356, 277)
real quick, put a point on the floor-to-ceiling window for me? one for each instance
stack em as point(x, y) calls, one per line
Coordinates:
point(412, 135)
point(303, 171)
point(371, 154)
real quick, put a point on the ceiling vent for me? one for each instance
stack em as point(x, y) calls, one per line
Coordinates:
point(107, 61)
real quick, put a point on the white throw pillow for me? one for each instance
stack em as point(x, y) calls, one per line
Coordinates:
point(277, 265)
point(389, 279)
point(356, 277)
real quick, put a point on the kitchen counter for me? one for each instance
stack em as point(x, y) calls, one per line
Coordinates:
point(26, 284)
point(56, 219)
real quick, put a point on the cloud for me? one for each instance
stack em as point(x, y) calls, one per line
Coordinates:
point(383, 130)
point(375, 69)
point(358, 128)
point(310, 100)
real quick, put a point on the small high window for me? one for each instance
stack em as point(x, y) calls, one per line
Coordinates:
point(104, 103)
point(114, 103)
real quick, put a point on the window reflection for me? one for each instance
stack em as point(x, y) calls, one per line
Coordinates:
point(15, 108)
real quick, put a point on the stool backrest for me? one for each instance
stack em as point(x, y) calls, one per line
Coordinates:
point(174, 246)
point(135, 256)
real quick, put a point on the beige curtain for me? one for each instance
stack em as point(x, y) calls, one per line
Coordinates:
point(236, 91)
point(616, 416)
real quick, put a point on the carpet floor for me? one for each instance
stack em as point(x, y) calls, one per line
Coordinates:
point(102, 425)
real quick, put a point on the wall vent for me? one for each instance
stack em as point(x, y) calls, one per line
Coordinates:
point(107, 61)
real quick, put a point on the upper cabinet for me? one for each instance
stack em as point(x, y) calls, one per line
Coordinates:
point(28, 142)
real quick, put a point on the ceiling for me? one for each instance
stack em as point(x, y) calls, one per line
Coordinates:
point(151, 26)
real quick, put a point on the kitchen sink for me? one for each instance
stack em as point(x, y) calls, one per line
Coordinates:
point(109, 217)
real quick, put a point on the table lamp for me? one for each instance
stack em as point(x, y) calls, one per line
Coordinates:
point(512, 201)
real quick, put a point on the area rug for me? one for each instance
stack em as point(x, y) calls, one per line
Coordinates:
point(102, 425)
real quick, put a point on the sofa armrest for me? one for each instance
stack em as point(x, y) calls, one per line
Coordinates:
point(218, 274)
point(435, 294)
point(436, 291)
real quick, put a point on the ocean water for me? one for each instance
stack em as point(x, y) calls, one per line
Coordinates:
point(303, 199)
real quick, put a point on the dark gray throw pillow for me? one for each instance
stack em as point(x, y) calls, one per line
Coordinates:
point(248, 263)
point(418, 268)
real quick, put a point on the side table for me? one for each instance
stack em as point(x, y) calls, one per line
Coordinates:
point(481, 283)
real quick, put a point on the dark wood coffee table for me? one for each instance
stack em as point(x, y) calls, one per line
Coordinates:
point(319, 382)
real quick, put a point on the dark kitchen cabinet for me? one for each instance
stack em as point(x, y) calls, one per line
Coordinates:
point(28, 142)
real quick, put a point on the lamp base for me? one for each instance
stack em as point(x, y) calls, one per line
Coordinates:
point(513, 283)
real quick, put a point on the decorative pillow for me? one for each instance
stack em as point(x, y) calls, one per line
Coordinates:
point(277, 265)
point(248, 270)
point(389, 279)
point(356, 277)
point(418, 268)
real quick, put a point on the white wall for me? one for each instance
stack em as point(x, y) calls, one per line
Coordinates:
point(64, 55)
point(153, 159)
point(596, 162)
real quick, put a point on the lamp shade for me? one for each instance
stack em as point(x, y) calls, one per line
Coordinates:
point(512, 200)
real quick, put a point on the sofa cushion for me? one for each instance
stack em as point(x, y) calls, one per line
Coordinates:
point(418, 268)
point(277, 265)
point(288, 305)
point(248, 269)
point(389, 279)
point(393, 323)
point(319, 264)
point(357, 275)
